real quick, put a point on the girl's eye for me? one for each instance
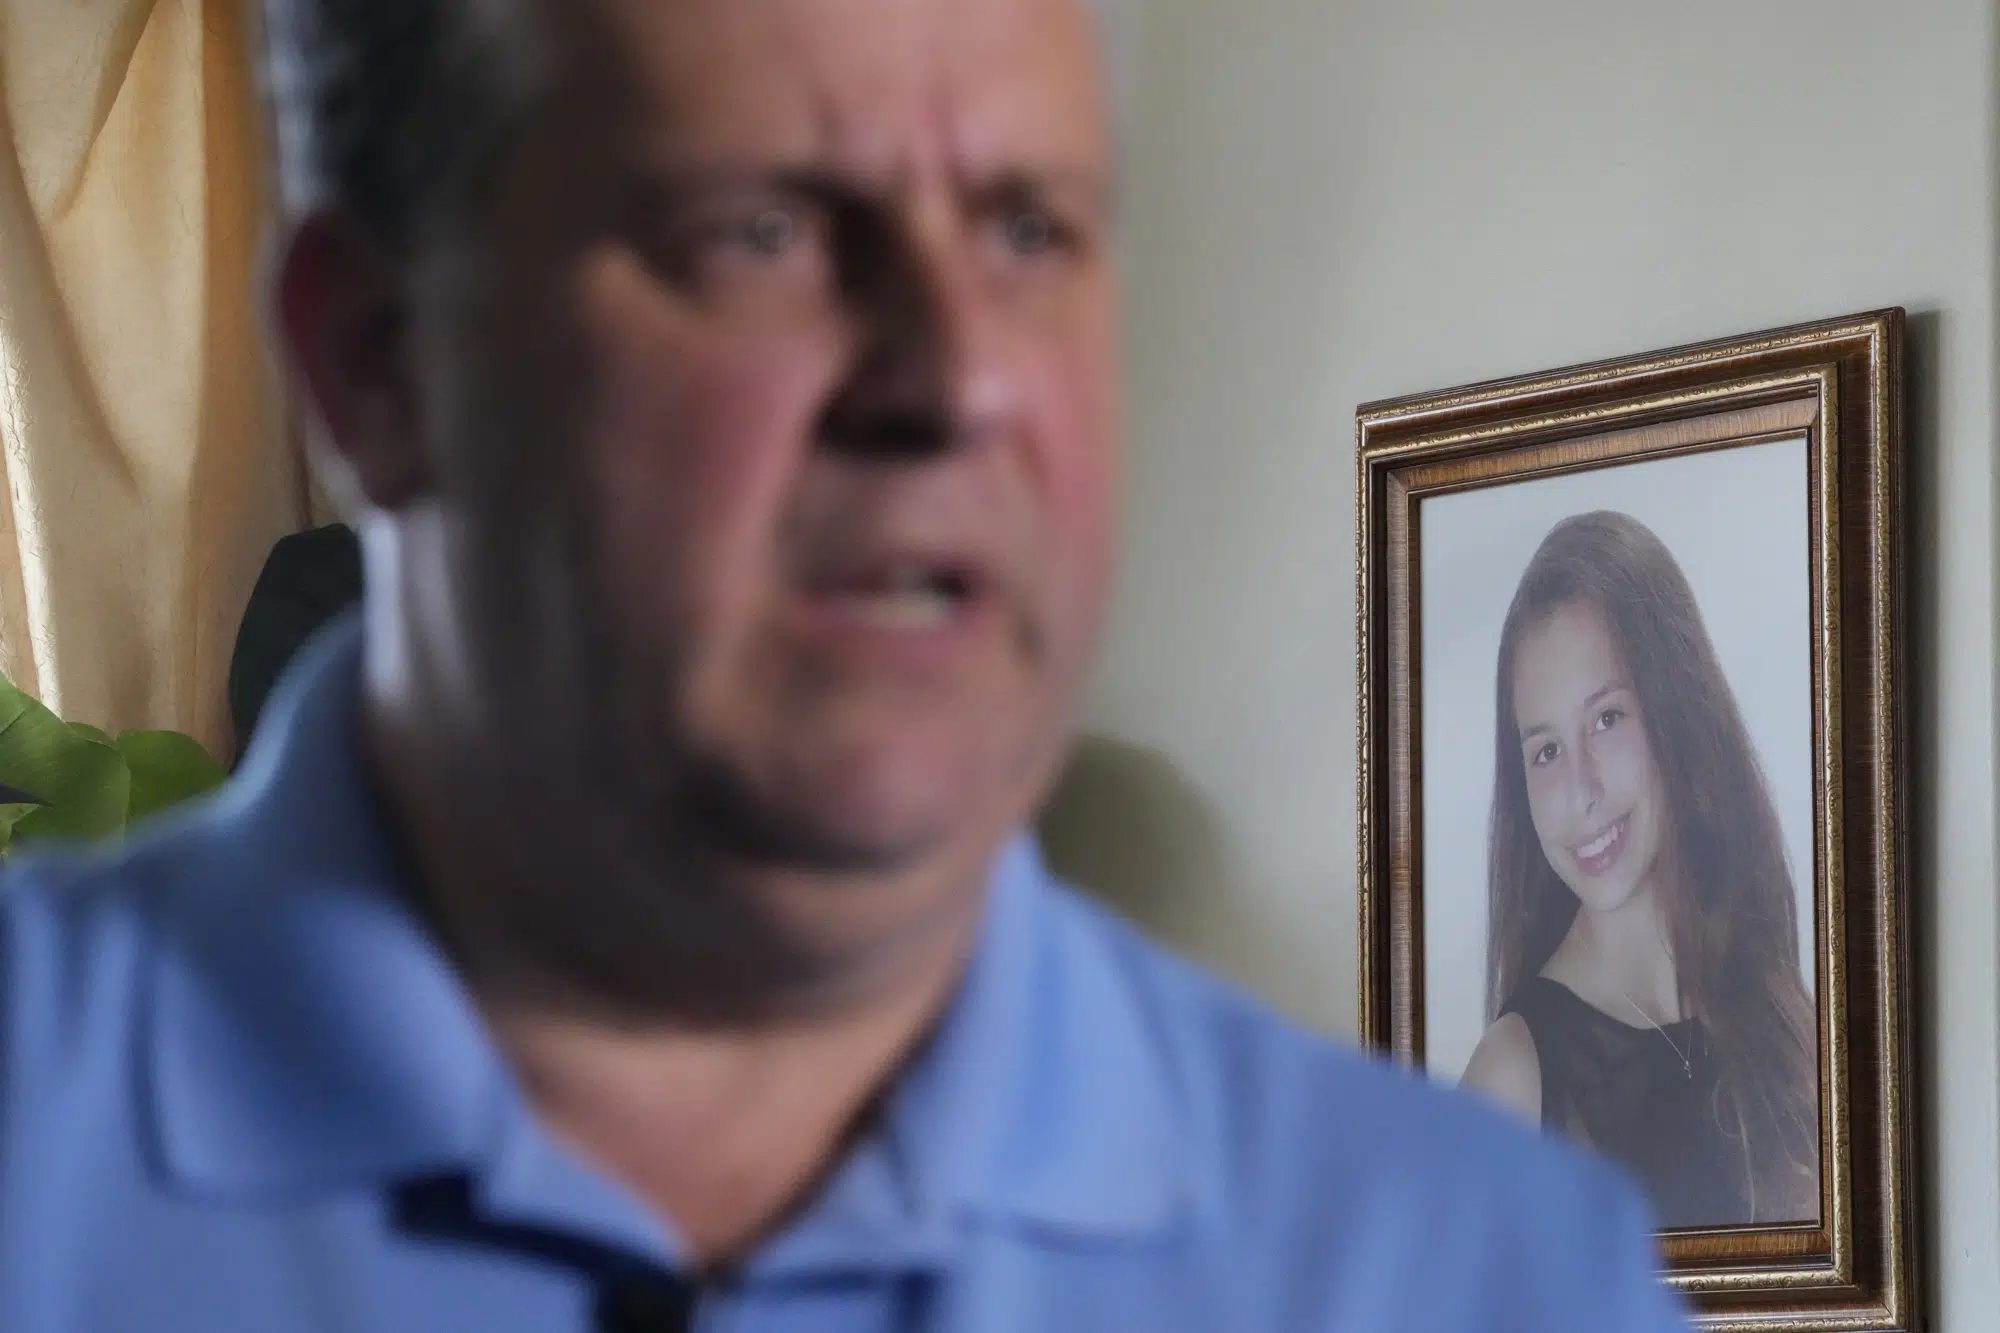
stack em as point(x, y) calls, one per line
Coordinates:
point(1610, 718)
point(1544, 756)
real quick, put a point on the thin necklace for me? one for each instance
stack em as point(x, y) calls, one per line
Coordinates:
point(1687, 1064)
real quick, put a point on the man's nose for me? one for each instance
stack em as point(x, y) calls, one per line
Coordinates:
point(930, 372)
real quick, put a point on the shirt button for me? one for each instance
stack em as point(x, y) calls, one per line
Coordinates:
point(653, 1303)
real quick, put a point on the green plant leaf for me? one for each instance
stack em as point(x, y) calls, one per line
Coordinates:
point(167, 768)
point(88, 732)
point(10, 815)
point(83, 783)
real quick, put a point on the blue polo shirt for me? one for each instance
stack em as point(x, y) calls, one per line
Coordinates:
point(241, 1089)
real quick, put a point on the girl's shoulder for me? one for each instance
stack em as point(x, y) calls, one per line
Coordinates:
point(1506, 1067)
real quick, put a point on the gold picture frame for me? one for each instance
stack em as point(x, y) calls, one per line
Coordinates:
point(1692, 436)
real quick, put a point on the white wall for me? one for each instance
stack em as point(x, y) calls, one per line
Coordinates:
point(1341, 200)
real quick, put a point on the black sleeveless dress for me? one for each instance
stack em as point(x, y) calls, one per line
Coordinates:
point(1623, 1091)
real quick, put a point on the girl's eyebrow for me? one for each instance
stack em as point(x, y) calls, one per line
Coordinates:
point(1602, 693)
point(1613, 687)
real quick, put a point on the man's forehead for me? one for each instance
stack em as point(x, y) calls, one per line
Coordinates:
point(882, 85)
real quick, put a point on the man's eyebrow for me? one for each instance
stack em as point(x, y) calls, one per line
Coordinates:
point(1092, 189)
point(673, 184)
point(669, 184)
point(1081, 179)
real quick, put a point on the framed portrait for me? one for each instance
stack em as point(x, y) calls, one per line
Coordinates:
point(1632, 741)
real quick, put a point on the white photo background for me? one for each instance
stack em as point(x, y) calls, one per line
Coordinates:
point(1737, 522)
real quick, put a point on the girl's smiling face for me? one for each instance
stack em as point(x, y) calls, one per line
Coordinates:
point(1594, 792)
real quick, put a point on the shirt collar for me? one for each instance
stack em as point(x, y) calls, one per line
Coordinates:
point(304, 1033)
point(1044, 1094)
point(304, 1030)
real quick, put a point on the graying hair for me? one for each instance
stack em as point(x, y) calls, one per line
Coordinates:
point(398, 109)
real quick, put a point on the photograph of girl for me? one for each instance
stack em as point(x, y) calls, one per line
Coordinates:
point(1632, 812)
point(1643, 985)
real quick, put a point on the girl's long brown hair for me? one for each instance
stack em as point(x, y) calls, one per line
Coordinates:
point(1727, 898)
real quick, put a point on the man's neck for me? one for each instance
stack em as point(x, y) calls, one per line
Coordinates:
point(722, 1115)
point(725, 1132)
point(724, 1119)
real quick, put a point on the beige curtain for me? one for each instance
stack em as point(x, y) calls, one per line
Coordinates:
point(147, 467)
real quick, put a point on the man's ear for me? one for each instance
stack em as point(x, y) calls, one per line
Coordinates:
point(342, 313)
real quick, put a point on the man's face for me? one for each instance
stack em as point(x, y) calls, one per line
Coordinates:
point(775, 415)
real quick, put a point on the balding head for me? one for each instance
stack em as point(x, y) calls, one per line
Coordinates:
point(738, 492)
point(397, 109)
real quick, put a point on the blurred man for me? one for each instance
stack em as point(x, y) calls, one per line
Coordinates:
point(625, 922)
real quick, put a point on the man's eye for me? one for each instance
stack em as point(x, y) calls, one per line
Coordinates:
point(767, 234)
point(752, 233)
point(772, 231)
point(1030, 232)
point(1038, 233)
point(756, 247)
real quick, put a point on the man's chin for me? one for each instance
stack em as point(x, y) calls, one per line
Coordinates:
point(838, 847)
point(837, 835)
point(867, 806)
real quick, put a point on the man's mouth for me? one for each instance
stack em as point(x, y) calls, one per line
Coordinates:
point(899, 600)
point(1600, 852)
point(906, 597)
